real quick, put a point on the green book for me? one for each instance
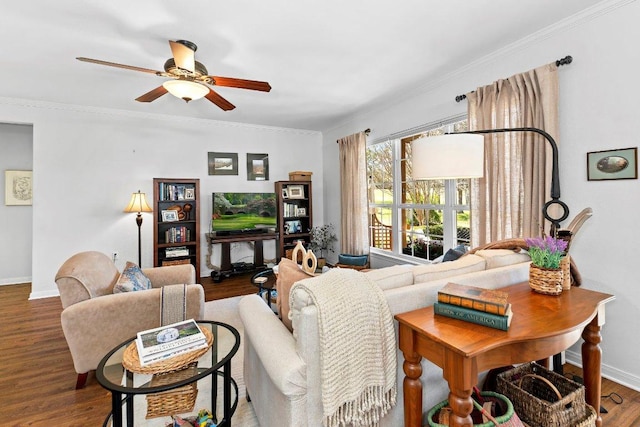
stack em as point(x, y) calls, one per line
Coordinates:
point(495, 321)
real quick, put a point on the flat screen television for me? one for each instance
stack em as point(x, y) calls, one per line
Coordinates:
point(243, 212)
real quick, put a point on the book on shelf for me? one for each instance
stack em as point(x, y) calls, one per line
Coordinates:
point(491, 320)
point(176, 251)
point(169, 340)
point(480, 299)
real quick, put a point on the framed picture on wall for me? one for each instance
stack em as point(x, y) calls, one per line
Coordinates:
point(612, 164)
point(257, 167)
point(223, 163)
point(18, 188)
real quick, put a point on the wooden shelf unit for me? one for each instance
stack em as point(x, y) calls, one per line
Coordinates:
point(289, 214)
point(185, 232)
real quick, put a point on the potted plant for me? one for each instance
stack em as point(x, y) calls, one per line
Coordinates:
point(322, 239)
point(545, 274)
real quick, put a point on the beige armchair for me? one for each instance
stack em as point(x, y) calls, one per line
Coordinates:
point(95, 320)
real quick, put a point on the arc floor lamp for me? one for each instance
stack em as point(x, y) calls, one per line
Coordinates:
point(461, 155)
point(138, 204)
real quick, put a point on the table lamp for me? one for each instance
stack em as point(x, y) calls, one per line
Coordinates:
point(138, 204)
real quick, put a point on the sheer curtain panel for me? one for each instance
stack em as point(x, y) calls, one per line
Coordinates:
point(353, 195)
point(507, 202)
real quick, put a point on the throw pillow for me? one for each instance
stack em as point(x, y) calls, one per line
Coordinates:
point(131, 279)
point(288, 273)
point(452, 255)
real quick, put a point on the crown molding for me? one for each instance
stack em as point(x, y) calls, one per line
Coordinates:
point(111, 112)
point(565, 24)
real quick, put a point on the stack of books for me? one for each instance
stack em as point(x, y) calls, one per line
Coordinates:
point(168, 341)
point(488, 307)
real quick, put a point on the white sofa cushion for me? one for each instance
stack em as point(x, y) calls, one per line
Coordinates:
point(502, 257)
point(464, 265)
point(392, 277)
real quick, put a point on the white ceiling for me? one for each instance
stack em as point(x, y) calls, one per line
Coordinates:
point(325, 59)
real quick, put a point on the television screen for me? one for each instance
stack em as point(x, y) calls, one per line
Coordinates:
point(243, 211)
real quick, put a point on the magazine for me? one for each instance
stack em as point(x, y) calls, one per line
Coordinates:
point(169, 340)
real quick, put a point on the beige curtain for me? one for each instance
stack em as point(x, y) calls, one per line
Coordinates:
point(507, 202)
point(353, 184)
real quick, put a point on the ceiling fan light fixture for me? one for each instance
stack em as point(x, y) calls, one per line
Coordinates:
point(185, 89)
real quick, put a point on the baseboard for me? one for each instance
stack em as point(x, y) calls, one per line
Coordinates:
point(608, 372)
point(15, 281)
point(44, 294)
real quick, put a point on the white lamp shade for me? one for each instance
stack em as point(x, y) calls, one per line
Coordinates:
point(448, 156)
point(138, 203)
point(185, 89)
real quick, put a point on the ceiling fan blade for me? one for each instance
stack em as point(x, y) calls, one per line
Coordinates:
point(183, 56)
point(241, 83)
point(113, 64)
point(152, 95)
point(219, 101)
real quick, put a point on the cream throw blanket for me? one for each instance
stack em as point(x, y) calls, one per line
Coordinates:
point(357, 347)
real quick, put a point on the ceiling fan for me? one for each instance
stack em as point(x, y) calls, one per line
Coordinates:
point(189, 77)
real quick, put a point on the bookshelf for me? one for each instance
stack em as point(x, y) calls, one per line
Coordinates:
point(176, 223)
point(295, 214)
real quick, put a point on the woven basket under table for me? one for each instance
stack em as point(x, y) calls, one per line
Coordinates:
point(534, 390)
point(176, 401)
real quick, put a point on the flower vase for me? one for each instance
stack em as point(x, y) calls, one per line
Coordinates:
point(546, 281)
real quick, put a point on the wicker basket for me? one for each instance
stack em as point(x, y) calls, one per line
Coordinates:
point(565, 266)
point(508, 417)
point(176, 401)
point(131, 360)
point(543, 398)
point(546, 281)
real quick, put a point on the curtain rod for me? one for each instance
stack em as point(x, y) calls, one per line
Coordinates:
point(367, 131)
point(564, 61)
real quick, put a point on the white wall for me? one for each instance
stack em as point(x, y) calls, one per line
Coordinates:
point(598, 111)
point(87, 162)
point(16, 153)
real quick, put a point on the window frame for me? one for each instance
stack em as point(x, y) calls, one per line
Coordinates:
point(398, 207)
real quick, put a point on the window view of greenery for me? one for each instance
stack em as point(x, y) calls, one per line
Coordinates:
point(431, 215)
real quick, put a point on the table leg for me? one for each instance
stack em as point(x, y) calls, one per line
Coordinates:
point(227, 393)
point(116, 409)
point(461, 377)
point(591, 360)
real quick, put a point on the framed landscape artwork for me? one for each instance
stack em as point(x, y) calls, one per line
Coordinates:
point(223, 163)
point(257, 167)
point(18, 188)
point(612, 164)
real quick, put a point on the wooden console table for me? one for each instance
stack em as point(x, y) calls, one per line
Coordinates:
point(225, 241)
point(542, 325)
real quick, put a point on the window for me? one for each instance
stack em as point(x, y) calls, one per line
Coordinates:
point(414, 218)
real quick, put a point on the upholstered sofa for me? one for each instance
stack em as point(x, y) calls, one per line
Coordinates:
point(95, 319)
point(282, 367)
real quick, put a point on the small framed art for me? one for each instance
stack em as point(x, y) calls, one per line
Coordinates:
point(18, 188)
point(301, 211)
point(292, 227)
point(285, 193)
point(612, 164)
point(189, 193)
point(257, 167)
point(296, 191)
point(169, 215)
point(223, 163)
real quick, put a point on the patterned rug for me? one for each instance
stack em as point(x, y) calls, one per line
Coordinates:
point(226, 311)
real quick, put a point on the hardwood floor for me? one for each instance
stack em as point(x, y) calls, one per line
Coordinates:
point(37, 378)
